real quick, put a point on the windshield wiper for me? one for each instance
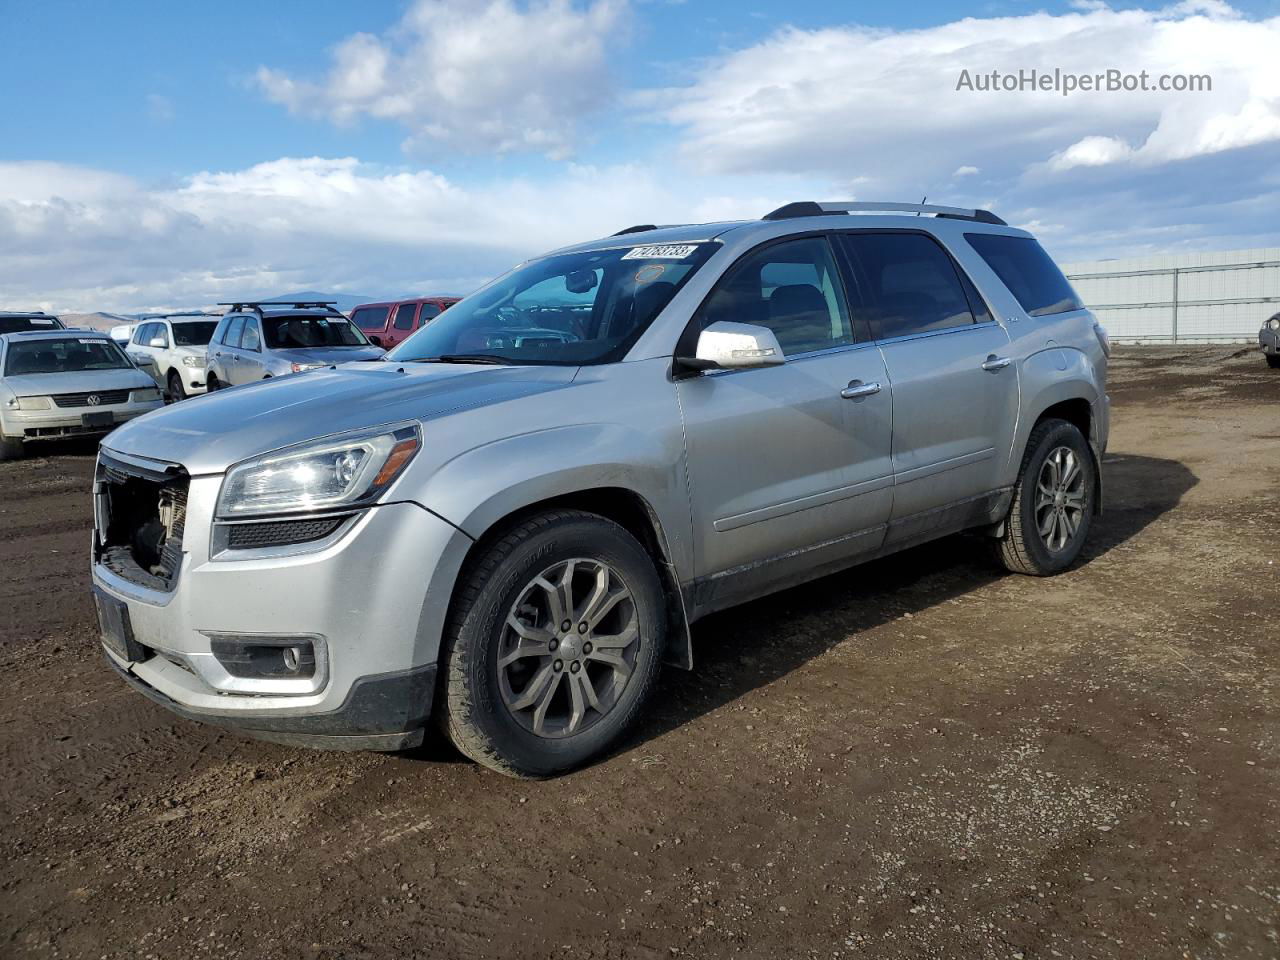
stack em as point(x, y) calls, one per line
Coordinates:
point(465, 358)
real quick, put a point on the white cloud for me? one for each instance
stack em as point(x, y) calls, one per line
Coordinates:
point(883, 104)
point(476, 76)
point(965, 171)
point(1091, 152)
point(74, 239)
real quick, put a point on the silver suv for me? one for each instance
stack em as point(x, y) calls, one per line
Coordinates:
point(512, 519)
point(260, 340)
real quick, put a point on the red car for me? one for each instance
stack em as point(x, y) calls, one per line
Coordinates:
point(386, 324)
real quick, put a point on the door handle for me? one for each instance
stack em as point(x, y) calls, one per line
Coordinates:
point(993, 363)
point(856, 390)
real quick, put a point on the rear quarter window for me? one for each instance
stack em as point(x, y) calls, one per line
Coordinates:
point(1030, 274)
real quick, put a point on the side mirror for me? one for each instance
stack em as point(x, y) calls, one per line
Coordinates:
point(734, 346)
point(156, 342)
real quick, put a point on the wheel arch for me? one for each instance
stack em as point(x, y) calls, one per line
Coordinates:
point(635, 514)
point(1077, 409)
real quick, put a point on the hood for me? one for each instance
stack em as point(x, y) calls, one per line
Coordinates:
point(327, 355)
point(209, 433)
point(78, 381)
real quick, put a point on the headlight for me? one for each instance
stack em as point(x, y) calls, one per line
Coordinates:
point(339, 471)
point(31, 403)
point(193, 362)
point(145, 395)
point(304, 367)
point(1274, 323)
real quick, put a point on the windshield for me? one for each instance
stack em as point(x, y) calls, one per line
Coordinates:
point(62, 356)
point(14, 324)
point(576, 308)
point(293, 333)
point(193, 333)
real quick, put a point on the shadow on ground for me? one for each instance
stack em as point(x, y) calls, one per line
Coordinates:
point(739, 650)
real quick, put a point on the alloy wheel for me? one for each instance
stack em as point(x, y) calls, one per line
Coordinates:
point(1060, 498)
point(568, 648)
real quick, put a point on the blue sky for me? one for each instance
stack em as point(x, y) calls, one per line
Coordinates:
point(164, 154)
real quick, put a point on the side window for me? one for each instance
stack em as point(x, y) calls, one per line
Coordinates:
point(162, 332)
point(792, 288)
point(250, 339)
point(370, 318)
point(142, 336)
point(232, 338)
point(907, 284)
point(1029, 273)
point(404, 316)
point(429, 312)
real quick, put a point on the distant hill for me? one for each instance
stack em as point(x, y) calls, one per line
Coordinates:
point(94, 321)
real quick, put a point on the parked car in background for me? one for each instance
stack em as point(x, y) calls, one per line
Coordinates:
point(13, 322)
point(387, 324)
point(122, 333)
point(175, 345)
point(259, 340)
point(1269, 338)
point(60, 383)
point(588, 454)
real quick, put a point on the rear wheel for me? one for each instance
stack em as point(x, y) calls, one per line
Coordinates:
point(10, 448)
point(212, 383)
point(553, 646)
point(176, 391)
point(1053, 502)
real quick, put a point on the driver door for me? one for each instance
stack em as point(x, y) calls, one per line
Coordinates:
point(786, 470)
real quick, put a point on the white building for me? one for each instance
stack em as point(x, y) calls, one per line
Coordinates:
point(1182, 298)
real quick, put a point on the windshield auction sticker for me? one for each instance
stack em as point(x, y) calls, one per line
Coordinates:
point(671, 252)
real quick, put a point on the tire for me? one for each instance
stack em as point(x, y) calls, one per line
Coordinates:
point(211, 383)
point(11, 448)
point(1273, 361)
point(1024, 547)
point(483, 703)
point(176, 392)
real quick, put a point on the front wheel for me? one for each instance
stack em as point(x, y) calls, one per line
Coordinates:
point(1053, 502)
point(10, 448)
point(554, 644)
point(212, 383)
point(176, 390)
point(1273, 360)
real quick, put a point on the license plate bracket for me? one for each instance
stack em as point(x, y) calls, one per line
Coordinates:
point(103, 418)
point(116, 628)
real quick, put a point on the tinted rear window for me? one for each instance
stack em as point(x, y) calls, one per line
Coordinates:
point(14, 324)
point(371, 318)
point(1029, 273)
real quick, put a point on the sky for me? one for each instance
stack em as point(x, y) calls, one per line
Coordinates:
point(159, 155)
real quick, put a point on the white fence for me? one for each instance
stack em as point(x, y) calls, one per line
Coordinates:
point(1184, 298)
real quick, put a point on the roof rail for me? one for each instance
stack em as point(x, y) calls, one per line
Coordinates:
point(811, 208)
point(638, 228)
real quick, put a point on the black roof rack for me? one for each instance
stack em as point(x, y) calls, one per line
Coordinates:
point(638, 228)
point(812, 208)
point(257, 305)
point(177, 313)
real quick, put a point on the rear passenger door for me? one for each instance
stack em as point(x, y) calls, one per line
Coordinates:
point(250, 359)
point(955, 388)
point(401, 323)
point(228, 356)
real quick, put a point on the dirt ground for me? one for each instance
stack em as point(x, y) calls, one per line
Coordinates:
point(917, 758)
